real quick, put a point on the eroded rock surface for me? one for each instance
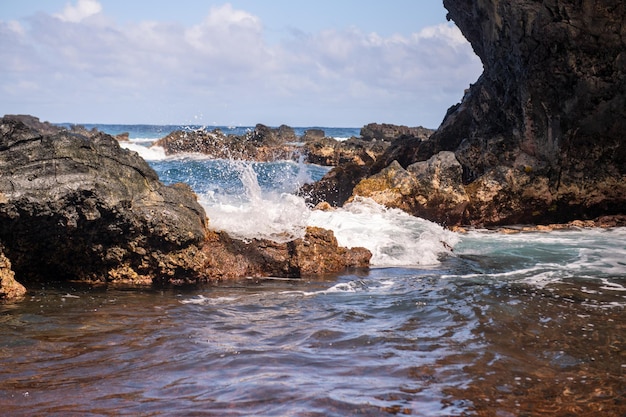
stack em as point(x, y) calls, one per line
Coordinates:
point(540, 136)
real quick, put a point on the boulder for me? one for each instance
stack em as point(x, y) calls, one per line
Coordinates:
point(73, 207)
point(331, 152)
point(317, 253)
point(10, 289)
point(430, 189)
point(389, 133)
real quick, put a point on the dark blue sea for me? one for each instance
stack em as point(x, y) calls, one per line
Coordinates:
point(502, 325)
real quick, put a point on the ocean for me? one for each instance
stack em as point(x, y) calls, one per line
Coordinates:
point(481, 323)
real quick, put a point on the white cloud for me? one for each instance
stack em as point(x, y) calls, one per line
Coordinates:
point(82, 10)
point(223, 66)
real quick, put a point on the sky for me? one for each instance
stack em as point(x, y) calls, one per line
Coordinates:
point(334, 63)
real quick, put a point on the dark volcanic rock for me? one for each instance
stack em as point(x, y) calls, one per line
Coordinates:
point(540, 136)
point(73, 207)
point(546, 120)
point(262, 144)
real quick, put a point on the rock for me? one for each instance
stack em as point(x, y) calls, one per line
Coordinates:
point(10, 289)
point(389, 133)
point(545, 122)
point(331, 152)
point(79, 208)
point(317, 253)
point(539, 137)
point(430, 189)
point(313, 134)
point(262, 144)
point(336, 186)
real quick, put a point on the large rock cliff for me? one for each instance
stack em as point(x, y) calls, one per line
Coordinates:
point(541, 135)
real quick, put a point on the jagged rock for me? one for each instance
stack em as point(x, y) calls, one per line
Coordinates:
point(81, 208)
point(336, 186)
point(331, 152)
point(389, 133)
point(262, 144)
point(10, 289)
point(540, 136)
point(431, 189)
point(73, 207)
point(313, 134)
point(546, 120)
point(316, 253)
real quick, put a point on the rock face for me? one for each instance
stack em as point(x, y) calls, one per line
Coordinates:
point(540, 136)
point(79, 208)
point(73, 207)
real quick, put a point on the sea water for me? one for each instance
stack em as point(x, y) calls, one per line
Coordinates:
point(443, 324)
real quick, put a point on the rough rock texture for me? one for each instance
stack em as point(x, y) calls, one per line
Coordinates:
point(262, 144)
point(540, 136)
point(316, 253)
point(81, 208)
point(389, 132)
point(73, 207)
point(331, 152)
point(9, 288)
point(431, 189)
point(335, 188)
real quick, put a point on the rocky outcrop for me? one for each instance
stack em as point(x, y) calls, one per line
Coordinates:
point(331, 152)
point(262, 144)
point(431, 189)
point(389, 133)
point(79, 208)
point(316, 253)
point(540, 136)
point(74, 207)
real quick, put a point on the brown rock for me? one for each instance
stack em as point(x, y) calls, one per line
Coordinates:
point(10, 289)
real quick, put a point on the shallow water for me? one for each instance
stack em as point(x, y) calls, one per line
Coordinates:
point(474, 335)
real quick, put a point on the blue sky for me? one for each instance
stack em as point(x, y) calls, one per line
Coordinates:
point(301, 63)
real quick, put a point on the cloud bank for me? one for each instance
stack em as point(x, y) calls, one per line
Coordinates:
point(79, 65)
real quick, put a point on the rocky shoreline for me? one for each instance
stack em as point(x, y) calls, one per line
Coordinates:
point(538, 139)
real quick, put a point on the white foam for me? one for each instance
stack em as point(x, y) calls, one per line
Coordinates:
point(153, 153)
point(394, 237)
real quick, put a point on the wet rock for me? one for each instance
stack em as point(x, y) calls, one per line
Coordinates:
point(331, 152)
point(335, 188)
point(316, 253)
point(540, 136)
point(430, 189)
point(262, 144)
point(80, 208)
point(541, 131)
point(10, 289)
